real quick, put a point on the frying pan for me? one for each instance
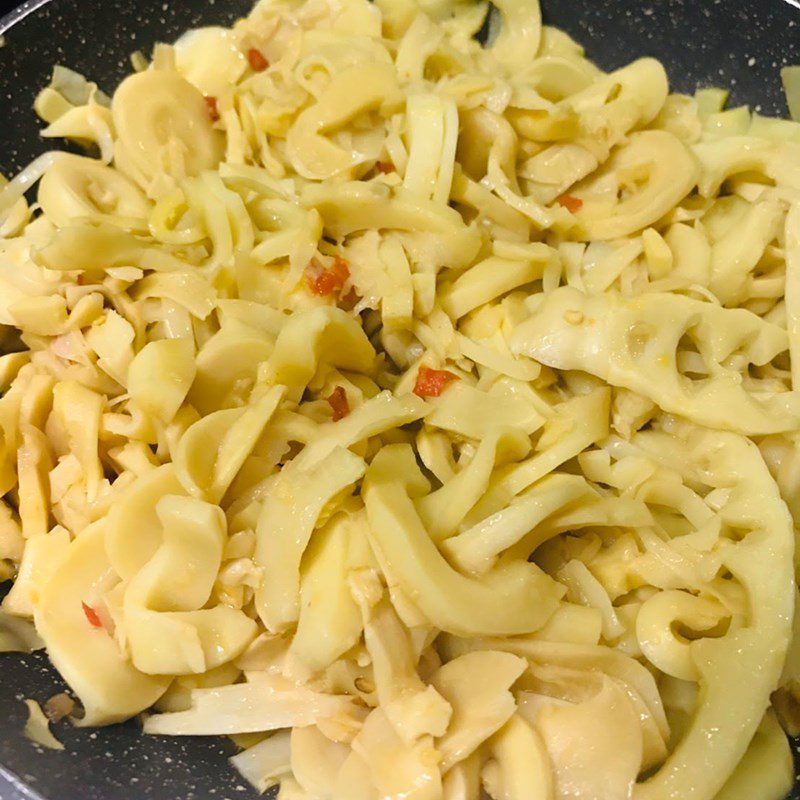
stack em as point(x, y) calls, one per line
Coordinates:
point(739, 44)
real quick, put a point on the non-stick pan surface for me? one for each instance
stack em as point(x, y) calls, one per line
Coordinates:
point(734, 43)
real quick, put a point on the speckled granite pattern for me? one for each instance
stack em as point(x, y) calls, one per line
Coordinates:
point(115, 763)
point(735, 43)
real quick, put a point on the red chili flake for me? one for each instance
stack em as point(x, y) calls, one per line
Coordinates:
point(432, 382)
point(572, 204)
point(92, 616)
point(338, 402)
point(256, 60)
point(385, 167)
point(325, 282)
point(211, 107)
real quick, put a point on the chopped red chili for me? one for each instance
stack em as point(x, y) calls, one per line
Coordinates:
point(211, 107)
point(92, 616)
point(385, 167)
point(256, 59)
point(338, 402)
point(572, 204)
point(325, 282)
point(432, 382)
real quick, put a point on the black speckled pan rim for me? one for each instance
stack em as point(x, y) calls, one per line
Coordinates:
point(14, 782)
point(30, 6)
